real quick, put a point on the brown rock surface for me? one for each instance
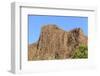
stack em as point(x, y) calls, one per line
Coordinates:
point(55, 43)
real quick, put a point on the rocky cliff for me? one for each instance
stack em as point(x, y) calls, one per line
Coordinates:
point(55, 43)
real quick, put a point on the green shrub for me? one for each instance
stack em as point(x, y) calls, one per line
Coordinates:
point(81, 52)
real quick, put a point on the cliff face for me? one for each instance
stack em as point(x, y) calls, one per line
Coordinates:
point(55, 43)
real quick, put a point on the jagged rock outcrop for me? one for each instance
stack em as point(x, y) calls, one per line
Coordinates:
point(55, 43)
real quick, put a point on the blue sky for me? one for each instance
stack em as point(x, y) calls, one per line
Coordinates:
point(35, 22)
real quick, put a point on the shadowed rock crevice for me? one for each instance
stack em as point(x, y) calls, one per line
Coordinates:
point(55, 43)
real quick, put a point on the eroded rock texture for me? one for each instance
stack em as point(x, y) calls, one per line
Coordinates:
point(55, 43)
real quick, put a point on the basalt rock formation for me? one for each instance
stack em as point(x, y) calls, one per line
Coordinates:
point(55, 43)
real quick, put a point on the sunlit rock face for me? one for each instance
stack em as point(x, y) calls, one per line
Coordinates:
point(56, 43)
